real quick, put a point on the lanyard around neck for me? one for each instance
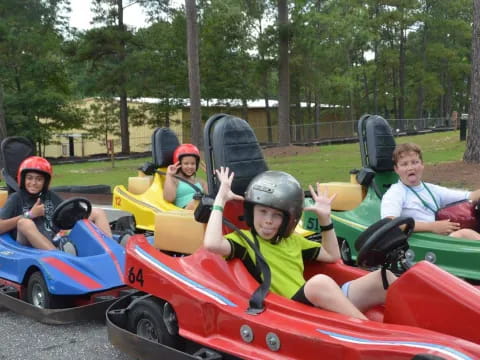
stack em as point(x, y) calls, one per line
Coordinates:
point(423, 201)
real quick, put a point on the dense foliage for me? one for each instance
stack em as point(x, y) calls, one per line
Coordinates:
point(397, 58)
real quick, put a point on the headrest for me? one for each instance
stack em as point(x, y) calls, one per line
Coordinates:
point(376, 142)
point(234, 144)
point(164, 143)
point(14, 149)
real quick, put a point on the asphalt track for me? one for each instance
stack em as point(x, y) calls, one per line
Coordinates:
point(25, 339)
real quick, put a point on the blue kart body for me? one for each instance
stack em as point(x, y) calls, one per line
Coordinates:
point(99, 265)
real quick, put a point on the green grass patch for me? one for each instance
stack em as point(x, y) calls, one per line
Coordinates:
point(325, 163)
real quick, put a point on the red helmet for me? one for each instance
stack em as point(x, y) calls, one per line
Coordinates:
point(184, 150)
point(37, 164)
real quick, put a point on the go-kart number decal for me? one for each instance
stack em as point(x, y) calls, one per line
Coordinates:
point(135, 276)
point(118, 201)
point(312, 223)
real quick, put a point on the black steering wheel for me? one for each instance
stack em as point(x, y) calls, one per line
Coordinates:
point(68, 212)
point(379, 241)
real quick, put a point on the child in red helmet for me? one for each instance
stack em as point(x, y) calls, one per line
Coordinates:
point(273, 206)
point(28, 212)
point(186, 159)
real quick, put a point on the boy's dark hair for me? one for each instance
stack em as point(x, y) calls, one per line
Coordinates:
point(406, 148)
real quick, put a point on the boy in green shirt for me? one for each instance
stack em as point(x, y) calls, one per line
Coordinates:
point(273, 207)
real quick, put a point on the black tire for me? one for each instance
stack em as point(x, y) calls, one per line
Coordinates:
point(38, 294)
point(345, 252)
point(427, 357)
point(146, 319)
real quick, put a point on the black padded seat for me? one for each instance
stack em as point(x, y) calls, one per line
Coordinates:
point(164, 143)
point(231, 142)
point(377, 143)
point(14, 149)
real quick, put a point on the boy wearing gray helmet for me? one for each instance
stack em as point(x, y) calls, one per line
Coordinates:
point(273, 207)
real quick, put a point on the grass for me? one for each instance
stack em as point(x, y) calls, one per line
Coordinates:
point(325, 163)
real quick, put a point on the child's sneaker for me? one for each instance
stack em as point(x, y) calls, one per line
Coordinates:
point(63, 243)
point(69, 248)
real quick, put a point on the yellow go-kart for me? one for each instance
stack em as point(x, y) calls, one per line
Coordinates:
point(143, 197)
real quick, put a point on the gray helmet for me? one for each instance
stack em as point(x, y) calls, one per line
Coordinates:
point(278, 190)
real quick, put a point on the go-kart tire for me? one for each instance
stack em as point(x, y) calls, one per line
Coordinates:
point(345, 252)
point(146, 319)
point(38, 294)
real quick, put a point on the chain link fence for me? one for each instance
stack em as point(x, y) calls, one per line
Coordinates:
point(301, 134)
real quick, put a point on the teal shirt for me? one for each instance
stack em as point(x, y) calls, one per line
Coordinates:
point(285, 259)
point(185, 193)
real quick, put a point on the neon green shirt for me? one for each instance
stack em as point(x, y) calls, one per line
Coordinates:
point(285, 259)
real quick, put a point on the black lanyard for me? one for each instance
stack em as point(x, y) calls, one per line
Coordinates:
point(423, 201)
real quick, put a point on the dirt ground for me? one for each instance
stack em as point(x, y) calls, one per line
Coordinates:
point(455, 174)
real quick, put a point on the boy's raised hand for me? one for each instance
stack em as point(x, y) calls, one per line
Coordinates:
point(323, 204)
point(225, 192)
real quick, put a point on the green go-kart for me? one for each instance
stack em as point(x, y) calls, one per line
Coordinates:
point(357, 206)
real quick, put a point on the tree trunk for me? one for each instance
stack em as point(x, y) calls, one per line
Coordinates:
point(124, 131)
point(193, 72)
point(267, 107)
point(472, 152)
point(283, 74)
point(401, 75)
point(421, 86)
point(3, 123)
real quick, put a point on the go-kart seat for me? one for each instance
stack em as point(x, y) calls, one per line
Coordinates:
point(377, 144)
point(164, 143)
point(13, 150)
point(230, 142)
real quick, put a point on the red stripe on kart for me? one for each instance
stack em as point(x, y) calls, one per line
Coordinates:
point(105, 247)
point(70, 271)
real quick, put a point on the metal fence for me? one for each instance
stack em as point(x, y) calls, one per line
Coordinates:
point(301, 134)
point(347, 130)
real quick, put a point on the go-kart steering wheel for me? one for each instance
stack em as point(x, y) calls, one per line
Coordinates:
point(68, 212)
point(380, 240)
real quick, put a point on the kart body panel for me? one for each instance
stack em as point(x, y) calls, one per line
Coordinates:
point(143, 205)
point(95, 275)
point(210, 297)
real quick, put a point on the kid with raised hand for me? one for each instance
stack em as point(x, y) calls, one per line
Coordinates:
point(273, 206)
point(186, 161)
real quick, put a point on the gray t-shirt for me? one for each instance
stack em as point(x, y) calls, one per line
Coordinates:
point(19, 202)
